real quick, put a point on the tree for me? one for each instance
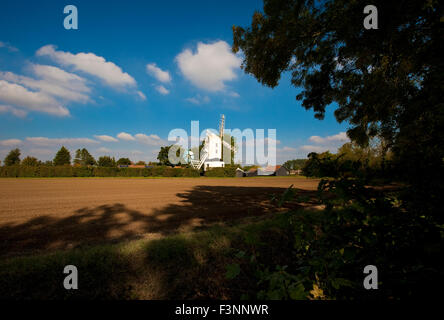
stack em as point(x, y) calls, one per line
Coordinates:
point(30, 161)
point(123, 162)
point(163, 155)
point(296, 164)
point(63, 157)
point(227, 137)
point(84, 158)
point(369, 74)
point(106, 161)
point(386, 82)
point(141, 163)
point(13, 157)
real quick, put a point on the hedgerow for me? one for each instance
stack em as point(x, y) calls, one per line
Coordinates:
point(74, 171)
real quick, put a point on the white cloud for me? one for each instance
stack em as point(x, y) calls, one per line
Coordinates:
point(162, 90)
point(311, 148)
point(141, 95)
point(106, 138)
point(151, 140)
point(198, 99)
point(54, 82)
point(40, 152)
point(90, 63)
point(15, 111)
point(234, 94)
point(287, 153)
point(322, 144)
point(18, 95)
point(103, 149)
point(210, 66)
point(10, 142)
point(53, 88)
point(8, 46)
point(159, 74)
point(43, 141)
point(340, 137)
point(125, 136)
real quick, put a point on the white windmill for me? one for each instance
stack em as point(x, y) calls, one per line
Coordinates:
point(211, 154)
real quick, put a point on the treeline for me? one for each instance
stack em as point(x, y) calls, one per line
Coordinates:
point(63, 157)
point(84, 165)
point(21, 171)
point(351, 160)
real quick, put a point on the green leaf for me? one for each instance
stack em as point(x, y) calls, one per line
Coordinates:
point(341, 282)
point(297, 292)
point(233, 271)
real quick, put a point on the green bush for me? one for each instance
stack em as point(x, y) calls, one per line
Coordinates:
point(227, 171)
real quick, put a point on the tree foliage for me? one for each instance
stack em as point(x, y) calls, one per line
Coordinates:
point(295, 164)
point(123, 162)
point(387, 85)
point(84, 158)
point(163, 155)
point(30, 161)
point(106, 161)
point(229, 139)
point(13, 157)
point(63, 157)
point(352, 160)
point(386, 82)
point(375, 76)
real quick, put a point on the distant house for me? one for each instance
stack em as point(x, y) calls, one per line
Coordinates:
point(273, 171)
point(294, 172)
point(240, 173)
point(281, 171)
point(251, 173)
point(266, 171)
point(140, 166)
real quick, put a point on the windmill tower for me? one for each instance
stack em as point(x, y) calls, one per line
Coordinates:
point(221, 126)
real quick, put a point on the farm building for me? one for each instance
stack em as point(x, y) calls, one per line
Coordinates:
point(273, 171)
point(240, 173)
point(266, 171)
point(140, 166)
point(281, 171)
point(251, 173)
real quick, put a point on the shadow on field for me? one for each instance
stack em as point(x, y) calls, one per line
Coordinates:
point(200, 207)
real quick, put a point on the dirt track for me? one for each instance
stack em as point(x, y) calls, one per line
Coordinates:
point(63, 213)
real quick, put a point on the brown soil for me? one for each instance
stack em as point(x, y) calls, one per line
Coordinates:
point(42, 214)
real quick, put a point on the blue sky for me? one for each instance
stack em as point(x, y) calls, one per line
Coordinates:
point(133, 71)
